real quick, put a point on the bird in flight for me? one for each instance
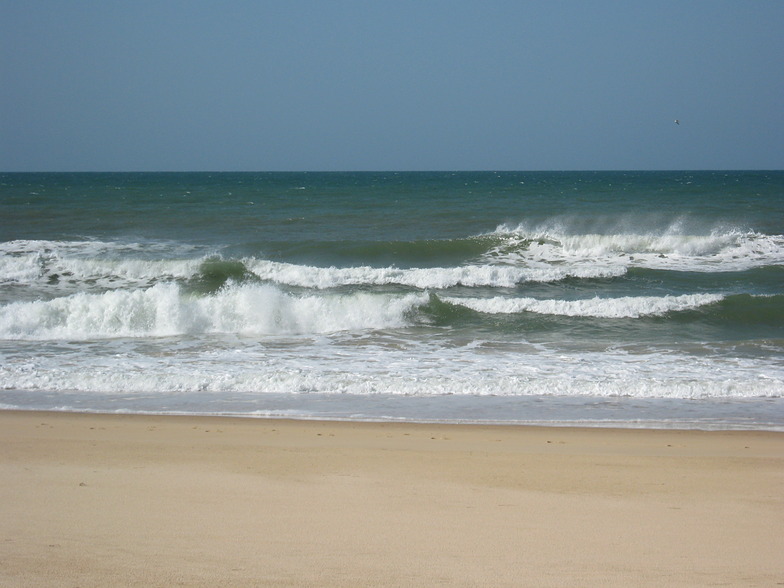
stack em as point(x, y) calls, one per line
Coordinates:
point(677, 122)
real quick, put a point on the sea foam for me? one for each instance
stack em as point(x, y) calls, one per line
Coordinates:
point(165, 310)
point(621, 307)
point(249, 371)
point(717, 250)
point(498, 276)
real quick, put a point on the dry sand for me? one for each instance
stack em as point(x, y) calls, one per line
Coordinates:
point(108, 500)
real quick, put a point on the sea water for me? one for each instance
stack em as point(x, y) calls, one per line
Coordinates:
point(591, 298)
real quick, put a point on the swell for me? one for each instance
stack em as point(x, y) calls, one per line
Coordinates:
point(737, 310)
point(759, 280)
point(742, 310)
point(374, 253)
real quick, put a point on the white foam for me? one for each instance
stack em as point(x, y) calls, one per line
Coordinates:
point(498, 276)
point(100, 264)
point(164, 310)
point(65, 266)
point(621, 307)
point(716, 250)
point(330, 367)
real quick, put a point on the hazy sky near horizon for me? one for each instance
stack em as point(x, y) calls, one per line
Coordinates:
point(405, 85)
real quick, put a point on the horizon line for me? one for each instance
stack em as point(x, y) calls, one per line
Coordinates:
point(396, 171)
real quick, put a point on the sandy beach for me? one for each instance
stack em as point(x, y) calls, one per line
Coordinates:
point(114, 500)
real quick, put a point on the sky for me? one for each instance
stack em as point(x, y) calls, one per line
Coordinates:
point(340, 85)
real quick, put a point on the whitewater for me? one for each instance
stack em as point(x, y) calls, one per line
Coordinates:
point(624, 299)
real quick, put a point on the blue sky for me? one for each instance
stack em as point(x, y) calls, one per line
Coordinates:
point(405, 85)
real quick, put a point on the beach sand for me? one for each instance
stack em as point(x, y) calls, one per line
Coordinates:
point(130, 500)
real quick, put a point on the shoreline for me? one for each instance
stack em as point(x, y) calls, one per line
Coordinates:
point(623, 425)
point(752, 414)
point(94, 499)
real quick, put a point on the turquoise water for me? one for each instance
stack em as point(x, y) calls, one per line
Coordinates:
point(631, 298)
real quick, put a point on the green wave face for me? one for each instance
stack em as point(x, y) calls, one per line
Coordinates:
point(214, 273)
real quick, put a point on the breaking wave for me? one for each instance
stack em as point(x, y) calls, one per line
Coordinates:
point(165, 310)
point(716, 250)
point(622, 307)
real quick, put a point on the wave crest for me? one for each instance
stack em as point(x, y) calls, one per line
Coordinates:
point(717, 250)
point(164, 310)
point(622, 307)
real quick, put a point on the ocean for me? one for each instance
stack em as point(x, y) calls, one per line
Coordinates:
point(630, 299)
